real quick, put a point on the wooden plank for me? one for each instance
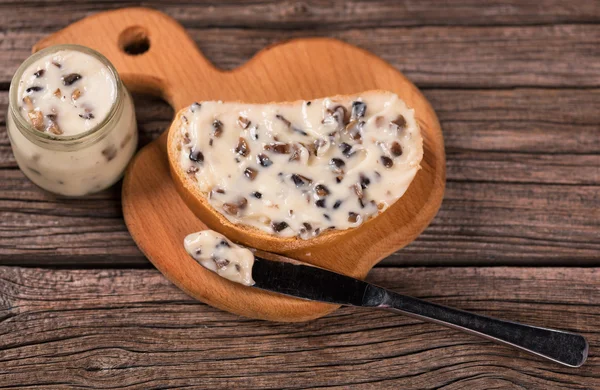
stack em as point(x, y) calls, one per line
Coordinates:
point(131, 328)
point(440, 56)
point(522, 189)
point(310, 15)
point(491, 223)
point(534, 121)
point(479, 223)
point(549, 128)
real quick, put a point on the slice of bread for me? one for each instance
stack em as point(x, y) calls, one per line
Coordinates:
point(198, 201)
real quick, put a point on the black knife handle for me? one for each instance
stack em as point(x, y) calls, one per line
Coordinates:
point(562, 347)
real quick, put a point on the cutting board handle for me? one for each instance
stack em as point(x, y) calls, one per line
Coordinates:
point(150, 50)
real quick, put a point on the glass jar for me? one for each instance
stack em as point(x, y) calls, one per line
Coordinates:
point(79, 164)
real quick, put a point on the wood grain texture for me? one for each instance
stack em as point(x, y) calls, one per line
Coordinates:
point(309, 15)
point(494, 149)
point(130, 327)
point(174, 69)
point(437, 56)
point(104, 328)
point(299, 69)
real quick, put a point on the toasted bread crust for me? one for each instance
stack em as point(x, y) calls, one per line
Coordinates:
point(197, 201)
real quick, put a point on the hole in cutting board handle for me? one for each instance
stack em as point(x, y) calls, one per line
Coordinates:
point(134, 40)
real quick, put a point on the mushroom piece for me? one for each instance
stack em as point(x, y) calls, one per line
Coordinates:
point(288, 124)
point(299, 153)
point(278, 147)
point(285, 121)
point(235, 208)
point(196, 156)
point(336, 165)
point(250, 173)
point(242, 147)
point(358, 190)
point(254, 132)
point(217, 128)
point(354, 129)
point(346, 149)
point(37, 119)
point(321, 190)
point(358, 109)
point(264, 160)
point(386, 161)
point(195, 106)
point(396, 149)
point(399, 123)
point(214, 191)
point(28, 103)
point(52, 125)
point(336, 115)
point(220, 263)
point(243, 122)
point(87, 114)
point(364, 181)
point(76, 94)
point(321, 146)
point(35, 88)
point(300, 180)
point(279, 226)
point(71, 79)
point(110, 152)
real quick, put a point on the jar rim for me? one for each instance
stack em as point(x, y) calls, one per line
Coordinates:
point(35, 135)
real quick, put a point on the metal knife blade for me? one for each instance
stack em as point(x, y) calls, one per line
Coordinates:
point(303, 281)
point(313, 283)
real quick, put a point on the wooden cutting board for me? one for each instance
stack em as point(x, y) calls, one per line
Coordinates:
point(154, 55)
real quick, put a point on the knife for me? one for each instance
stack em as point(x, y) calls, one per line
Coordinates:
point(299, 280)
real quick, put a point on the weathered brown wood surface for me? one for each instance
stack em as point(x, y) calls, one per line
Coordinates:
point(133, 328)
point(523, 187)
point(516, 86)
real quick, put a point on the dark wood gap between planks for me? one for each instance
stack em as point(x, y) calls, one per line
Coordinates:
point(561, 56)
point(144, 263)
point(5, 87)
point(303, 14)
point(508, 182)
point(319, 30)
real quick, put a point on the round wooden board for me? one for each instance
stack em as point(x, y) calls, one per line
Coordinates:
point(173, 68)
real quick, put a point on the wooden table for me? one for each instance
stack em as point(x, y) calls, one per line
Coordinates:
point(516, 86)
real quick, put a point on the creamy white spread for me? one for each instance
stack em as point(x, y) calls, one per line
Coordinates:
point(215, 252)
point(302, 168)
point(66, 92)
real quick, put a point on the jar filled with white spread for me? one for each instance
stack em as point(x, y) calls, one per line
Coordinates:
point(71, 121)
